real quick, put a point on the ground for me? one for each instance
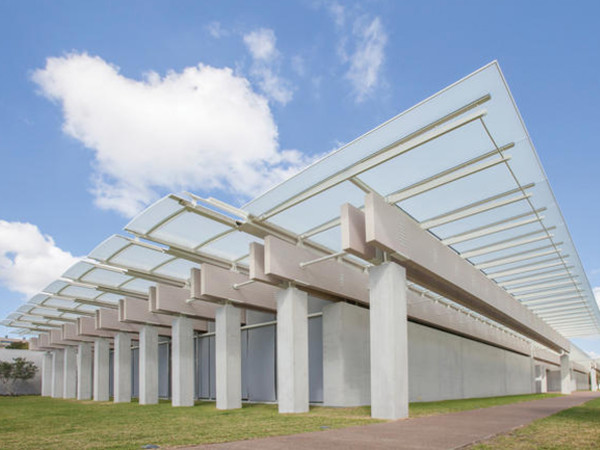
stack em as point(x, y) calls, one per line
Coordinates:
point(574, 428)
point(33, 422)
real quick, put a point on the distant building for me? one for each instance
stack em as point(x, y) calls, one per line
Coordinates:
point(6, 341)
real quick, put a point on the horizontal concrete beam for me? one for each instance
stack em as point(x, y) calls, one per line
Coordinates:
point(69, 333)
point(108, 320)
point(86, 326)
point(133, 311)
point(284, 261)
point(172, 300)
point(44, 343)
point(437, 267)
point(219, 285)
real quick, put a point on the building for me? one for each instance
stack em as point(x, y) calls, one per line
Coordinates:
point(426, 260)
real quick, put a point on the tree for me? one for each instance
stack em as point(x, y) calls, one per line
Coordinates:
point(21, 345)
point(19, 370)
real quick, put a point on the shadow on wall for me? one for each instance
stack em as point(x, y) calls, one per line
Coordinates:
point(29, 387)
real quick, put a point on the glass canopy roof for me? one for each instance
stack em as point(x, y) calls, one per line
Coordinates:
point(461, 163)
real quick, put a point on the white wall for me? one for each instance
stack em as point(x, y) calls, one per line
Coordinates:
point(445, 366)
point(30, 387)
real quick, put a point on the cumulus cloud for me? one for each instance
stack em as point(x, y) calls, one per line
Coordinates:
point(29, 260)
point(202, 129)
point(216, 30)
point(362, 41)
point(261, 44)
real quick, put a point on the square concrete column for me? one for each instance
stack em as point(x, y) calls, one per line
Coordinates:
point(47, 374)
point(228, 357)
point(565, 374)
point(346, 355)
point(292, 351)
point(101, 369)
point(70, 373)
point(148, 365)
point(58, 369)
point(541, 382)
point(122, 368)
point(389, 349)
point(84, 371)
point(593, 380)
point(182, 360)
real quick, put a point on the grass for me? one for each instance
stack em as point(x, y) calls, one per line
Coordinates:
point(574, 428)
point(34, 422)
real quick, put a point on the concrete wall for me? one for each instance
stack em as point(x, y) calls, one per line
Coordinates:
point(30, 387)
point(582, 380)
point(445, 366)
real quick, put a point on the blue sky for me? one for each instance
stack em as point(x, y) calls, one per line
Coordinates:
point(76, 161)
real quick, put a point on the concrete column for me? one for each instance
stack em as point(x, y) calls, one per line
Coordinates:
point(228, 357)
point(565, 374)
point(292, 351)
point(593, 380)
point(47, 374)
point(58, 368)
point(84, 371)
point(101, 369)
point(70, 373)
point(346, 355)
point(182, 361)
point(389, 349)
point(541, 382)
point(148, 365)
point(122, 368)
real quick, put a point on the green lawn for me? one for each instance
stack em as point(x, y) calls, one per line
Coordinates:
point(34, 422)
point(574, 428)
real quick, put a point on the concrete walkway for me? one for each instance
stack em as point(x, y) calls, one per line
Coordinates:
point(446, 431)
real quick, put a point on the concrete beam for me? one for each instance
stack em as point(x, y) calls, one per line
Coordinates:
point(565, 374)
point(389, 341)
point(172, 300)
point(218, 284)
point(148, 365)
point(122, 368)
point(70, 373)
point(108, 320)
point(136, 311)
point(101, 369)
point(47, 374)
point(182, 366)
point(228, 357)
point(292, 351)
point(283, 260)
point(438, 268)
point(69, 333)
point(84, 371)
point(58, 367)
point(86, 326)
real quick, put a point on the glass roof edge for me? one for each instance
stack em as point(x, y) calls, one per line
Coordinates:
point(330, 154)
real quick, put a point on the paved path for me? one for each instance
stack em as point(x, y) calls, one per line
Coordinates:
point(446, 431)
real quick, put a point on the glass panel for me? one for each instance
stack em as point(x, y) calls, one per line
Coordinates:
point(138, 285)
point(179, 268)
point(80, 292)
point(108, 248)
point(189, 230)
point(106, 277)
point(55, 287)
point(139, 257)
point(77, 270)
point(231, 246)
point(153, 215)
point(319, 209)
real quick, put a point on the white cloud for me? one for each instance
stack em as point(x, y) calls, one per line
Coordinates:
point(361, 47)
point(367, 58)
point(261, 44)
point(216, 30)
point(29, 260)
point(200, 129)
